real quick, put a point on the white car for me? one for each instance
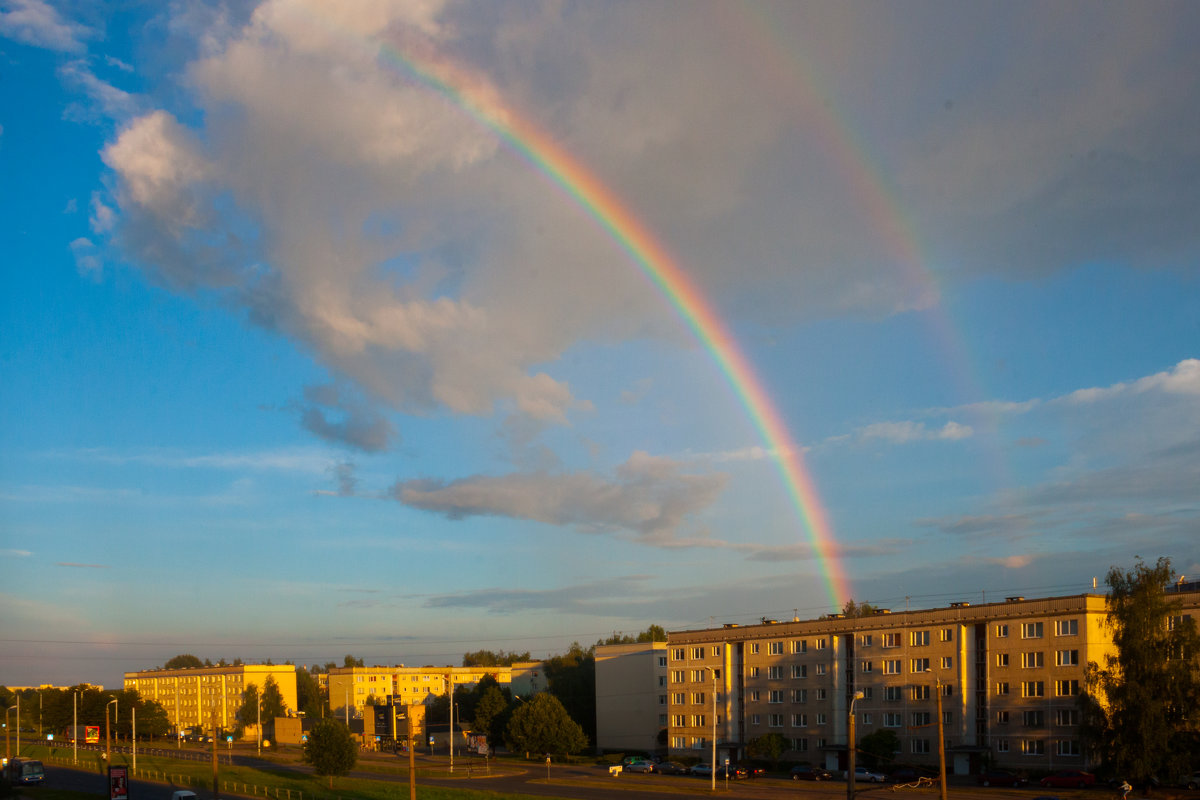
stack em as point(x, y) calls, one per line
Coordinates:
point(864, 774)
point(643, 766)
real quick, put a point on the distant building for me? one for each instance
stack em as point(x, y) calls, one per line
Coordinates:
point(359, 687)
point(191, 697)
point(1008, 674)
point(528, 678)
point(631, 696)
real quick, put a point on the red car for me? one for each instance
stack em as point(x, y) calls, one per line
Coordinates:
point(1068, 779)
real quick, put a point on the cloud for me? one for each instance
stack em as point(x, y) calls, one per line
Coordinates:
point(108, 102)
point(649, 497)
point(351, 422)
point(1182, 379)
point(302, 460)
point(908, 431)
point(81, 566)
point(87, 257)
point(604, 597)
point(37, 23)
point(15, 553)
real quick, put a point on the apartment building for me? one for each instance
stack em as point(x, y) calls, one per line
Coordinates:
point(358, 687)
point(631, 696)
point(191, 697)
point(1007, 676)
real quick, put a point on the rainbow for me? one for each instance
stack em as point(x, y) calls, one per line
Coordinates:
point(472, 95)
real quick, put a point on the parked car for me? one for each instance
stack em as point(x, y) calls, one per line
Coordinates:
point(1069, 778)
point(752, 771)
point(1192, 782)
point(864, 774)
point(804, 772)
point(627, 760)
point(703, 770)
point(642, 765)
point(999, 777)
point(730, 771)
point(670, 768)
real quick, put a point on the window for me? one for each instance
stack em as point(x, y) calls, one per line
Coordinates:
point(1002, 631)
point(920, 745)
point(662, 661)
point(865, 640)
point(947, 690)
point(775, 648)
point(1002, 745)
point(891, 640)
point(946, 635)
point(678, 721)
point(799, 695)
point(868, 692)
point(1066, 658)
point(799, 670)
point(775, 673)
point(662, 681)
point(919, 665)
point(799, 720)
point(1033, 689)
point(1066, 627)
point(800, 646)
point(893, 720)
point(1001, 717)
point(678, 742)
point(947, 662)
point(1002, 687)
point(920, 718)
point(864, 666)
point(866, 719)
point(1032, 630)
point(751, 672)
point(947, 718)
point(775, 721)
point(676, 676)
point(1068, 747)
point(754, 719)
point(716, 650)
point(698, 742)
point(697, 675)
point(697, 653)
point(698, 698)
point(821, 743)
point(754, 648)
point(1066, 688)
point(1033, 719)
point(753, 696)
point(678, 698)
point(1033, 747)
point(698, 720)
point(822, 644)
point(800, 745)
point(920, 693)
point(775, 696)
point(820, 669)
point(1066, 717)
point(677, 654)
point(662, 720)
point(821, 719)
point(1001, 659)
point(891, 667)
point(662, 701)
point(1032, 660)
point(918, 638)
point(893, 693)
point(821, 694)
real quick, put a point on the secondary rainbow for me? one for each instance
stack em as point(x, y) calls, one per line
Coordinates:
point(468, 92)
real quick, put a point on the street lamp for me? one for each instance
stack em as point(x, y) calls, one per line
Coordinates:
point(7, 745)
point(852, 745)
point(713, 672)
point(107, 735)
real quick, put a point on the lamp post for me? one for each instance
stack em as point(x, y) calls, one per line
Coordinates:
point(713, 672)
point(7, 744)
point(259, 710)
point(75, 728)
point(107, 734)
point(852, 746)
point(18, 707)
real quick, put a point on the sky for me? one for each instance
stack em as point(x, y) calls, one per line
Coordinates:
point(408, 329)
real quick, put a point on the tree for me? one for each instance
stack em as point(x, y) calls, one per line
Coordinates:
point(247, 713)
point(1136, 707)
point(489, 711)
point(542, 725)
point(879, 749)
point(572, 679)
point(330, 749)
point(852, 609)
point(769, 746)
point(654, 633)
point(351, 661)
point(308, 693)
point(184, 661)
point(487, 658)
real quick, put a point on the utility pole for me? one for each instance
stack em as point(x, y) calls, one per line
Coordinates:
point(107, 735)
point(412, 758)
point(133, 721)
point(941, 742)
point(851, 746)
point(75, 728)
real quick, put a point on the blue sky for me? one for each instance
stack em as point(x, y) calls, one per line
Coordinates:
point(299, 359)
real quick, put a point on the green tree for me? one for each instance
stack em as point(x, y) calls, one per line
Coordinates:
point(853, 609)
point(184, 661)
point(330, 749)
point(1136, 707)
point(571, 678)
point(351, 661)
point(879, 749)
point(308, 693)
point(654, 633)
point(247, 713)
point(272, 700)
point(769, 747)
point(488, 658)
point(489, 713)
point(542, 725)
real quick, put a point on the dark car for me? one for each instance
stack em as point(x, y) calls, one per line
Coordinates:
point(1192, 782)
point(1069, 778)
point(730, 771)
point(670, 768)
point(752, 771)
point(999, 777)
point(804, 772)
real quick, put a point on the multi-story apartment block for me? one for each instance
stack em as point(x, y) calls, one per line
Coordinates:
point(357, 687)
point(193, 697)
point(631, 696)
point(1008, 676)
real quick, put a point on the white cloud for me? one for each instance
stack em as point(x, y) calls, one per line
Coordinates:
point(107, 100)
point(38, 23)
point(87, 257)
point(909, 431)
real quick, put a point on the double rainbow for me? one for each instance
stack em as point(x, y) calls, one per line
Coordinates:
point(656, 263)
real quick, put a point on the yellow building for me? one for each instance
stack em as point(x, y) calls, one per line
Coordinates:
point(191, 697)
point(1008, 675)
point(358, 687)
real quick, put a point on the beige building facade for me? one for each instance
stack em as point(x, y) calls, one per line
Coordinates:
point(1008, 676)
point(192, 697)
point(631, 696)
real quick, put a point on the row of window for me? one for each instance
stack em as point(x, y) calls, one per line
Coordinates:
point(1037, 747)
point(1063, 717)
point(919, 746)
point(1066, 688)
point(1034, 659)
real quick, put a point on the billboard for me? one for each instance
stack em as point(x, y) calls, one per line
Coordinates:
point(91, 734)
point(118, 783)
